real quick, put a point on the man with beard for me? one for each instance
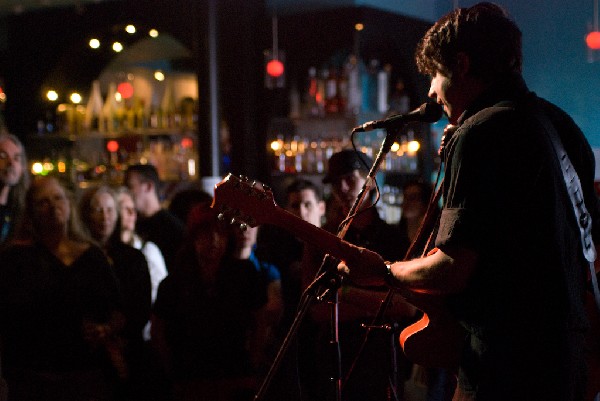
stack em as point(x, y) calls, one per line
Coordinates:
point(13, 182)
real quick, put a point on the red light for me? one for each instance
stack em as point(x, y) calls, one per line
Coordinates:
point(112, 146)
point(593, 40)
point(275, 68)
point(187, 143)
point(125, 89)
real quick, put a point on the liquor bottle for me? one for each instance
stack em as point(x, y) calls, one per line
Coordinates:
point(294, 101)
point(168, 106)
point(383, 88)
point(109, 110)
point(320, 97)
point(369, 87)
point(354, 96)
point(342, 91)
point(139, 111)
point(331, 92)
point(311, 102)
point(93, 111)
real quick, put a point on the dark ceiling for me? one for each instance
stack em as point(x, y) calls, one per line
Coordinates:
point(11, 7)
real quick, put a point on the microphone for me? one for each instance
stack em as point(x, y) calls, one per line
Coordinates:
point(428, 112)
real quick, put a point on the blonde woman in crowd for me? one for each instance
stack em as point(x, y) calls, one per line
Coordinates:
point(59, 304)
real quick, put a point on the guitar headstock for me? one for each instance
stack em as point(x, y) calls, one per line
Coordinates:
point(242, 201)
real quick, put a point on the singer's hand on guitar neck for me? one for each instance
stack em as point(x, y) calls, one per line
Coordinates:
point(364, 268)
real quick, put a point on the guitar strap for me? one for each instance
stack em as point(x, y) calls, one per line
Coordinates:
point(573, 186)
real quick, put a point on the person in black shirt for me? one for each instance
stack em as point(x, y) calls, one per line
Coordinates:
point(208, 321)
point(99, 213)
point(509, 256)
point(59, 305)
point(154, 223)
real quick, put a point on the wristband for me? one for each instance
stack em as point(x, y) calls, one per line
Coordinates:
point(389, 279)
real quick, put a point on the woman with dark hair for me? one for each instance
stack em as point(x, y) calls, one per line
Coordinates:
point(206, 316)
point(59, 304)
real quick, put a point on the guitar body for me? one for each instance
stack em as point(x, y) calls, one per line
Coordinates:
point(434, 341)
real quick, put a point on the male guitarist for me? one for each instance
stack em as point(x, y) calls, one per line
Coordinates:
point(509, 258)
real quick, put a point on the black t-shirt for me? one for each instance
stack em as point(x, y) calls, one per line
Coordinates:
point(207, 328)
point(43, 305)
point(503, 198)
point(131, 269)
point(165, 230)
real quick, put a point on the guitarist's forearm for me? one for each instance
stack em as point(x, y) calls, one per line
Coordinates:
point(440, 273)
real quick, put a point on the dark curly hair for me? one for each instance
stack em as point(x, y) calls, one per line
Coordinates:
point(484, 32)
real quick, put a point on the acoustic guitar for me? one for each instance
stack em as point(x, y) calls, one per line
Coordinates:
point(433, 341)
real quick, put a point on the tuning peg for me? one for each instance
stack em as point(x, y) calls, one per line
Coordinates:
point(243, 226)
point(221, 216)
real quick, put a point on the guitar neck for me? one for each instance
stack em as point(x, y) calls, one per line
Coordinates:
point(236, 197)
point(313, 235)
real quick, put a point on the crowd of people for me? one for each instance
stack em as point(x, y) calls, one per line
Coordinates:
point(110, 294)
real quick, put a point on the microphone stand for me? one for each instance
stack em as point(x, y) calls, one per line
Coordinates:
point(326, 284)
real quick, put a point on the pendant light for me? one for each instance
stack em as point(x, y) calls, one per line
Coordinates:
point(593, 38)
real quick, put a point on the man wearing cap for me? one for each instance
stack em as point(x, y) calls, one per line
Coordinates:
point(347, 174)
point(370, 379)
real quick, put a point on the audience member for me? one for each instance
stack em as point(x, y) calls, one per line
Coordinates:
point(208, 311)
point(269, 315)
point(59, 305)
point(99, 213)
point(364, 377)
point(154, 223)
point(14, 180)
point(155, 259)
point(156, 386)
point(283, 249)
point(304, 200)
point(185, 199)
point(415, 200)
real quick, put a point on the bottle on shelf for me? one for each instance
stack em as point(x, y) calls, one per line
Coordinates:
point(383, 88)
point(311, 99)
point(354, 97)
point(110, 109)
point(93, 111)
point(342, 91)
point(368, 80)
point(294, 98)
point(332, 105)
point(168, 107)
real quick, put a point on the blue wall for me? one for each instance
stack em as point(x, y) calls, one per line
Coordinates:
point(555, 56)
point(556, 59)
